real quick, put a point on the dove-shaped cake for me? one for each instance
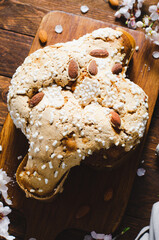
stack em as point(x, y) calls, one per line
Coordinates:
point(74, 104)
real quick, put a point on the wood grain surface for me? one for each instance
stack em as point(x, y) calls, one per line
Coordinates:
point(19, 20)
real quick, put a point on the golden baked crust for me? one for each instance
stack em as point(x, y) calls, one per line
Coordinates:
point(73, 101)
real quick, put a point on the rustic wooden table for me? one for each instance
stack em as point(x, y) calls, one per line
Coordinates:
point(19, 22)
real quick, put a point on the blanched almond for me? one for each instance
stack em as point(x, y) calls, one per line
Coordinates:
point(43, 36)
point(92, 68)
point(36, 99)
point(115, 119)
point(73, 69)
point(100, 53)
point(114, 3)
point(117, 68)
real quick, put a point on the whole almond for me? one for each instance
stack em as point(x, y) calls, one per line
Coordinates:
point(43, 36)
point(92, 68)
point(71, 144)
point(36, 99)
point(100, 53)
point(108, 195)
point(117, 68)
point(114, 3)
point(82, 211)
point(115, 119)
point(73, 69)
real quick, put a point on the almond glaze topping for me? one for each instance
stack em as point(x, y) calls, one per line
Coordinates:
point(36, 99)
point(92, 68)
point(115, 119)
point(100, 53)
point(73, 69)
point(117, 68)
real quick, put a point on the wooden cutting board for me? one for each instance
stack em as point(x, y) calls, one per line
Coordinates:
point(84, 186)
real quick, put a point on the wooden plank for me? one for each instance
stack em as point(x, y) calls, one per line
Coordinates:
point(20, 17)
point(67, 204)
point(135, 226)
point(4, 84)
point(27, 14)
point(13, 48)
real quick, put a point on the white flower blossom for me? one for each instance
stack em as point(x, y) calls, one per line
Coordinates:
point(146, 20)
point(154, 10)
point(132, 23)
point(152, 35)
point(127, 10)
point(4, 179)
point(4, 222)
point(123, 11)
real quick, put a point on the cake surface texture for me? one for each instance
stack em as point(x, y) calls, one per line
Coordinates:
point(72, 101)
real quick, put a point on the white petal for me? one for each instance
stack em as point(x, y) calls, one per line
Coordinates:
point(148, 29)
point(153, 8)
point(117, 14)
point(146, 20)
point(156, 42)
point(155, 54)
point(138, 13)
point(87, 237)
point(158, 5)
point(100, 236)
point(5, 211)
point(93, 234)
point(108, 237)
point(139, 24)
point(154, 16)
point(124, 10)
point(127, 15)
point(157, 28)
